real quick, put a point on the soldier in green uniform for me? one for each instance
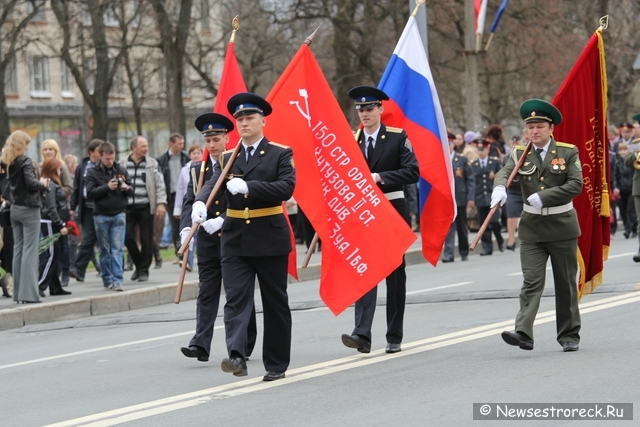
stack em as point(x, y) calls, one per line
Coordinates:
point(633, 159)
point(550, 177)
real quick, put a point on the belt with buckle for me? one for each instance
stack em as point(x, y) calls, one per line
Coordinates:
point(254, 213)
point(548, 211)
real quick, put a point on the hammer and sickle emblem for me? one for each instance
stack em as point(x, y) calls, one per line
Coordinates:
point(303, 93)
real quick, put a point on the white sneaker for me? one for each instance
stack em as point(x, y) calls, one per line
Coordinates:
point(116, 287)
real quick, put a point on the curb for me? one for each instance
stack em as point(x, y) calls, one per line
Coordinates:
point(131, 300)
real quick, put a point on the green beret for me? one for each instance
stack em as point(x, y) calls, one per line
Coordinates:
point(537, 110)
point(637, 117)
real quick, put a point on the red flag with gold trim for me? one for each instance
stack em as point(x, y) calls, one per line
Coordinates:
point(363, 236)
point(582, 99)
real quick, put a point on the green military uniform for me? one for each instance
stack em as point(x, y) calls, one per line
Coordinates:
point(635, 190)
point(550, 231)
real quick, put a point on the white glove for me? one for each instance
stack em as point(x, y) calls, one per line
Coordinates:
point(213, 225)
point(237, 185)
point(198, 212)
point(183, 237)
point(535, 201)
point(374, 176)
point(499, 195)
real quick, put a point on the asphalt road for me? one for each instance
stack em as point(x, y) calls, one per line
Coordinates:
point(127, 369)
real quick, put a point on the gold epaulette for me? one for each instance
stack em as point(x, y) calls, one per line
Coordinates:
point(521, 147)
point(394, 130)
point(635, 141)
point(564, 144)
point(279, 145)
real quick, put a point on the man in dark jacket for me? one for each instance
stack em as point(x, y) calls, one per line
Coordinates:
point(108, 186)
point(82, 209)
point(170, 164)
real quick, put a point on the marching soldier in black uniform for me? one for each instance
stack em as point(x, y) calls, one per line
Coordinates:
point(255, 238)
point(485, 170)
point(392, 164)
point(214, 127)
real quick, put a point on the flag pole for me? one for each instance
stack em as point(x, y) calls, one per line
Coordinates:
point(486, 46)
point(604, 23)
point(418, 4)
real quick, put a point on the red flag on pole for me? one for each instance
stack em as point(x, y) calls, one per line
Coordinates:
point(231, 83)
point(582, 99)
point(363, 237)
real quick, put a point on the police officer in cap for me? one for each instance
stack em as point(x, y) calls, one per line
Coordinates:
point(214, 128)
point(631, 159)
point(255, 238)
point(393, 165)
point(550, 177)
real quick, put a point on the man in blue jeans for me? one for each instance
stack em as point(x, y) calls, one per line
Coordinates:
point(82, 211)
point(109, 187)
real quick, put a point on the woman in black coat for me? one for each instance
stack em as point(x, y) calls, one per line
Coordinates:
point(53, 220)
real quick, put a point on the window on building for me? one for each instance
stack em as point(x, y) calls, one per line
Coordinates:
point(39, 75)
point(204, 15)
point(38, 7)
point(117, 84)
point(89, 74)
point(10, 82)
point(67, 79)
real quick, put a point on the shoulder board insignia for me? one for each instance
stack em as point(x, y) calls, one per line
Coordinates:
point(394, 130)
point(279, 145)
point(227, 152)
point(521, 147)
point(635, 141)
point(564, 144)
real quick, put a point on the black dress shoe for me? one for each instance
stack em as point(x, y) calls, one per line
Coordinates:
point(636, 258)
point(235, 365)
point(447, 260)
point(626, 234)
point(465, 258)
point(501, 247)
point(60, 292)
point(272, 376)
point(570, 346)
point(392, 348)
point(135, 275)
point(486, 253)
point(512, 247)
point(518, 338)
point(158, 263)
point(356, 341)
point(195, 351)
point(143, 278)
point(41, 293)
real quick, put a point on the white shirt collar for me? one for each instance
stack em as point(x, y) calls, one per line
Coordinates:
point(374, 135)
point(255, 146)
point(545, 149)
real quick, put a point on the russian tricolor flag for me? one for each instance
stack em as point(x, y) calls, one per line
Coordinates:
point(415, 107)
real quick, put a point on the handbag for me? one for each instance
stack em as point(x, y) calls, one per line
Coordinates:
point(5, 214)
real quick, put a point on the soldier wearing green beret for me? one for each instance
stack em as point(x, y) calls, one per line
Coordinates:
point(633, 159)
point(550, 177)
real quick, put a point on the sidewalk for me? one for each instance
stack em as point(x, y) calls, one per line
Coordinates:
point(90, 298)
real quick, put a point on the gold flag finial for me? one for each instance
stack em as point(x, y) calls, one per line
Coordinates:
point(309, 39)
point(235, 24)
point(604, 23)
point(415, 11)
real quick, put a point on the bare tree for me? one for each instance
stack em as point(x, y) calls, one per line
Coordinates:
point(13, 21)
point(89, 39)
point(174, 34)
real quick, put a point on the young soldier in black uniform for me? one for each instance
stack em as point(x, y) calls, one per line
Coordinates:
point(214, 127)
point(392, 164)
point(255, 238)
point(485, 170)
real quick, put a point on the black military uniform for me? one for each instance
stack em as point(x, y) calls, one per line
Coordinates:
point(208, 249)
point(485, 172)
point(256, 241)
point(465, 187)
point(631, 161)
point(391, 156)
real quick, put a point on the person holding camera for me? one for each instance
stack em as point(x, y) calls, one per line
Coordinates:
point(109, 187)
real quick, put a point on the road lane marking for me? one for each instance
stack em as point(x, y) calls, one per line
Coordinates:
point(94, 350)
point(173, 403)
point(439, 287)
